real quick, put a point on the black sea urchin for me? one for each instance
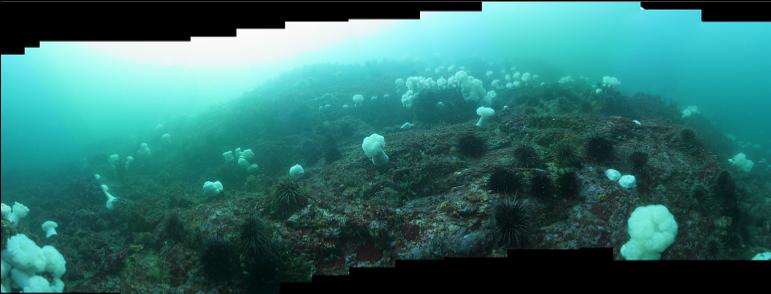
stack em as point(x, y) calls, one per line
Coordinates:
point(512, 223)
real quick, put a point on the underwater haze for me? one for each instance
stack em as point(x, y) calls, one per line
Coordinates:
point(322, 146)
point(79, 93)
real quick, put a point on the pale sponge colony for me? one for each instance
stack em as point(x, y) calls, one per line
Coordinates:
point(610, 82)
point(27, 267)
point(49, 227)
point(15, 213)
point(612, 174)
point(296, 171)
point(484, 114)
point(741, 162)
point(242, 159)
point(689, 111)
point(627, 181)
point(212, 188)
point(110, 203)
point(373, 147)
point(651, 230)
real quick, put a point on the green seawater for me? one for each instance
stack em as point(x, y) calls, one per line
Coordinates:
point(62, 98)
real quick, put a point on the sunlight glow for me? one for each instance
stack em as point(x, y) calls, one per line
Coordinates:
point(250, 47)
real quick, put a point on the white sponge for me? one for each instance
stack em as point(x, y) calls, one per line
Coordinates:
point(484, 113)
point(55, 263)
point(28, 260)
point(627, 181)
point(296, 171)
point(37, 284)
point(373, 146)
point(49, 227)
point(651, 230)
point(612, 174)
point(762, 256)
point(212, 188)
point(741, 162)
point(14, 214)
point(24, 254)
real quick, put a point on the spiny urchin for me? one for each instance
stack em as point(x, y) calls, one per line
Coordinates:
point(600, 149)
point(505, 182)
point(260, 256)
point(219, 260)
point(288, 197)
point(527, 157)
point(471, 146)
point(512, 223)
point(541, 185)
point(639, 160)
point(568, 184)
point(565, 155)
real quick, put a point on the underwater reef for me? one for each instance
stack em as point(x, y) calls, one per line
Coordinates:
point(291, 187)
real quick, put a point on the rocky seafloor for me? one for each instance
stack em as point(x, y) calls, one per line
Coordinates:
point(546, 150)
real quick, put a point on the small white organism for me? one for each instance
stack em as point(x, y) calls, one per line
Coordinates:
point(243, 163)
point(762, 256)
point(6, 209)
point(408, 98)
point(627, 181)
point(247, 154)
point(166, 138)
point(228, 156)
point(407, 125)
point(637, 122)
point(613, 174)
point(296, 171)
point(15, 213)
point(651, 230)
point(212, 188)
point(490, 96)
point(358, 100)
point(690, 110)
point(496, 84)
point(144, 149)
point(441, 83)
point(113, 160)
point(49, 227)
point(127, 163)
point(400, 86)
point(741, 162)
point(253, 168)
point(110, 204)
point(565, 80)
point(373, 146)
point(484, 114)
point(610, 82)
point(525, 77)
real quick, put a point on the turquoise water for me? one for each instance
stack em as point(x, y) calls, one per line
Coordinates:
point(62, 97)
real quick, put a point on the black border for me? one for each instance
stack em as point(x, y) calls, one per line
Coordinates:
point(27, 23)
